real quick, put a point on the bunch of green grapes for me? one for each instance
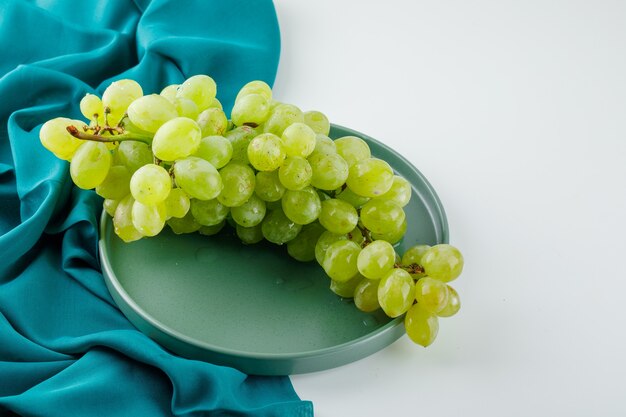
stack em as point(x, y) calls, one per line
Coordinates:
point(272, 173)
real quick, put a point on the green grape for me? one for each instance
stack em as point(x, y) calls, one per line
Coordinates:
point(251, 109)
point(295, 173)
point(329, 171)
point(431, 294)
point(340, 260)
point(177, 138)
point(413, 256)
point(170, 92)
point(110, 206)
point(118, 96)
point(268, 186)
point(215, 149)
point(216, 104)
point(91, 107)
point(453, 305)
point(186, 108)
point(55, 137)
point(324, 145)
point(123, 220)
point(392, 236)
point(212, 121)
point(198, 178)
point(177, 203)
point(356, 236)
point(281, 117)
point(133, 155)
point(399, 193)
point(240, 138)
point(443, 262)
point(266, 152)
point(370, 177)
point(421, 325)
point(352, 198)
point(345, 289)
point(317, 121)
point(323, 243)
point(150, 112)
point(150, 184)
point(255, 87)
point(208, 212)
point(239, 182)
point(200, 89)
point(302, 247)
point(250, 213)
point(376, 259)
point(149, 220)
point(90, 165)
point(338, 216)
point(299, 140)
point(380, 216)
point(212, 230)
point(249, 235)
point(396, 292)
point(352, 149)
point(366, 295)
point(302, 206)
point(185, 224)
point(116, 184)
point(277, 228)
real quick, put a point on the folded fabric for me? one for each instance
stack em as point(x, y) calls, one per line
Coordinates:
point(65, 348)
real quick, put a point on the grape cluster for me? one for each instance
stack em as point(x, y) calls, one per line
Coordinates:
point(271, 172)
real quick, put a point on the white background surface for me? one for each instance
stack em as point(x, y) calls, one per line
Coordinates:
point(516, 113)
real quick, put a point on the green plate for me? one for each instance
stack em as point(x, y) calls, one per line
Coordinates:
point(254, 307)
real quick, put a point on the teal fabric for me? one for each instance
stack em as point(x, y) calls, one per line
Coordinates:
point(65, 348)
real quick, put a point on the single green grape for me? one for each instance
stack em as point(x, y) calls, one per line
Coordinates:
point(170, 92)
point(177, 203)
point(299, 140)
point(366, 295)
point(381, 216)
point(212, 230)
point(324, 145)
point(253, 109)
point(91, 107)
point(149, 220)
point(421, 325)
point(240, 137)
point(90, 165)
point(268, 186)
point(239, 182)
point(394, 235)
point(453, 305)
point(249, 235)
point(399, 193)
point(345, 289)
point(413, 256)
point(186, 108)
point(396, 292)
point(431, 294)
point(338, 216)
point(340, 260)
point(150, 184)
point(277, 228)
point(123, 220)
point(376, 259)
point(352, 149)
point(302, 247)
point(116, 184)
point(255, 87)
point(55, 137)
point(150, 112)
point(266, 152)
point(352, 198)
point(370, 177)
point(323, 242)
point(301, 206)
point(118, 96)
point(295, 173)
point(443, 262)
point(250, 213)
point(198, 178)
point(208, 212)
point(215, 149)
point(200, 89)
point(317, 121)
point(133, 155)
point(110, 206)
point(185, 224)
point(212, 121)
point(281, 117)
point(329, 171)
point(176, 139)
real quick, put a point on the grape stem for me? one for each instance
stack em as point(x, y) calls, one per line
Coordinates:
point(73, 130)
point(366, 234)
point(411, 268)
